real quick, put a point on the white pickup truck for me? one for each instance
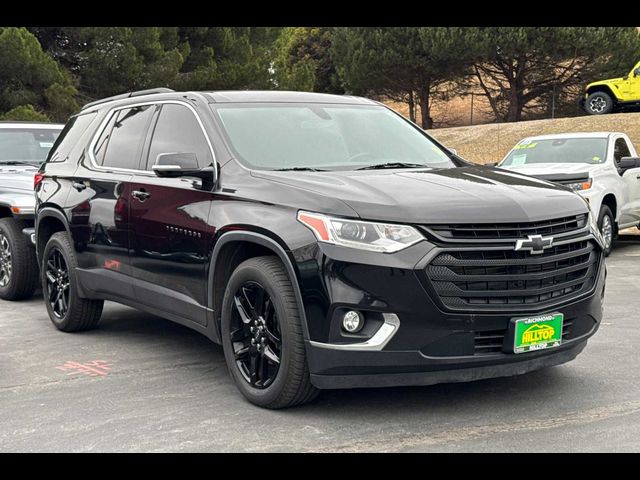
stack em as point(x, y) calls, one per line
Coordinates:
point(603, 167)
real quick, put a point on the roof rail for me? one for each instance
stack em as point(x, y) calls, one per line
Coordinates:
point(138, 93)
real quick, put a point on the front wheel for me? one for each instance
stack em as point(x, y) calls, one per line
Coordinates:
point(18, 264)
point(598, 103)
point(67, 310)
point(606, 223)
point(262, 335)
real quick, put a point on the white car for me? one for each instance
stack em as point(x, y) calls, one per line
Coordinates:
point(601, 166)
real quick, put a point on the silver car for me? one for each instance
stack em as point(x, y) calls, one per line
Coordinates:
point(23, 147)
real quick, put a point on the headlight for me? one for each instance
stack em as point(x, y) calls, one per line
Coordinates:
point(576, 187)
point(376, 237)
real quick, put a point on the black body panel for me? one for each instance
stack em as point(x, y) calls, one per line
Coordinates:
point(154, 243)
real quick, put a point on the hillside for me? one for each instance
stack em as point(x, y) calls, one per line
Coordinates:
point(491, 142)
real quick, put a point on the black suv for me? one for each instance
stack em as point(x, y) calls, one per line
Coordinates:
point(324, 241)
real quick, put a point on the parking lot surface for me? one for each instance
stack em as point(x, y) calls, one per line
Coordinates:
point(141, 383)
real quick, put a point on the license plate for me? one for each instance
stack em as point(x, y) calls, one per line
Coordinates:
point(538, 333)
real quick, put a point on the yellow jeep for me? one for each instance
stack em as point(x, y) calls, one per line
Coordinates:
point(605, 96)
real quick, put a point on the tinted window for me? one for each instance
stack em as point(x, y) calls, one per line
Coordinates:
point(26, 144)
point(621, 149)
point(103, 140)
point(559, 150)
point(119, 145)
point(178, 131)
point(325, 136)
point(70, 135)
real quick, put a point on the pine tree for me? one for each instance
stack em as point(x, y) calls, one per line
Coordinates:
point(520, 66)
point(404, 63)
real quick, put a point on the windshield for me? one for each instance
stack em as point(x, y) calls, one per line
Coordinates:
point(565, 150)
point(325, 137)
point(26, 145)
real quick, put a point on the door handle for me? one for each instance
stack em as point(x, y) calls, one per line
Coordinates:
point(140, 195)
point(79, 186)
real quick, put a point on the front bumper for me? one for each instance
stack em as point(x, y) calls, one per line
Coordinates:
point(430, 345)
point(525, 364)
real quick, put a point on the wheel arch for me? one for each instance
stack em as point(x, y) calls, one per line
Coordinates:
point(49, 221)
point(605, 89)
point(231, 249)
point(611, 201)
point(5, 211)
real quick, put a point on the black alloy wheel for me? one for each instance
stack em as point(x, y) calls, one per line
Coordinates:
point(255, 335)
point(57, 275)
point(262, 333)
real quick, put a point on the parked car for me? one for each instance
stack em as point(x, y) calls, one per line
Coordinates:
point(603, 167)
point(324, 241)
point(23, 147)
point(614, 94)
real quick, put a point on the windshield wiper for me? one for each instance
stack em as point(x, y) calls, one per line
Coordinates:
point(392, 165)
point(298, 169)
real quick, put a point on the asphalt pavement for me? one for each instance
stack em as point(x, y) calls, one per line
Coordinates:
point(143, 384)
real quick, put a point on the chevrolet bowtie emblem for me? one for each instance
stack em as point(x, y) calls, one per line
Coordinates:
point(535, 244)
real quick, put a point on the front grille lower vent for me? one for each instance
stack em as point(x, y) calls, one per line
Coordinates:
point(492, 341)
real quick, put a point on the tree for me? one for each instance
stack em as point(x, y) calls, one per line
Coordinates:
point(303, 60)
point(24, 113)
point(522, 66)
point(111, 60)
point(226, 58)
point(27, 73)
point(404, 63)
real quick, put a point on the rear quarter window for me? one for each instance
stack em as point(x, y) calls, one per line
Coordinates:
point(69, 137)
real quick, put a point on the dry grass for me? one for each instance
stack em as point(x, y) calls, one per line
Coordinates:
point(455, 111)
point(491, 142)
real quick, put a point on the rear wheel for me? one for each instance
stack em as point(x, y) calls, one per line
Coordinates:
point(607, 226)
point(18, 264)
point(262, 335)
point(598, 103)
point(66, 309)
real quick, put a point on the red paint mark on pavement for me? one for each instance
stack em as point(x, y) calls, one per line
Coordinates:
point(94, 368)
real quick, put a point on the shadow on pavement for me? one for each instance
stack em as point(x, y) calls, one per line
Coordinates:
point(129, 326)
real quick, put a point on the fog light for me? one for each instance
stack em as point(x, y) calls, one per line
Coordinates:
point(352, 321)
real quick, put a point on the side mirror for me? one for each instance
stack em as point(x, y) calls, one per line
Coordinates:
point(626, 163)
point(174, 165)
point(490, 164)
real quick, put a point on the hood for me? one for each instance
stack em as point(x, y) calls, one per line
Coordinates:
point(604, 82)
point(17, 178)
point(551, 168)
point(456, 195)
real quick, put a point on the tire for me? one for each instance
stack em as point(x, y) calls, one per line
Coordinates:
point(605, 213)
point(80, 314)
point(290, 384)
point(598, 103)
point(18, 263)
